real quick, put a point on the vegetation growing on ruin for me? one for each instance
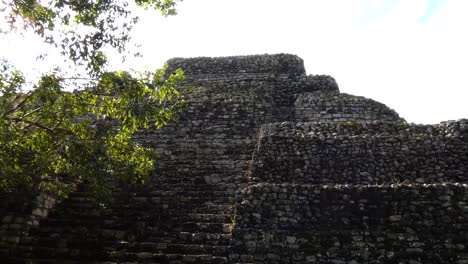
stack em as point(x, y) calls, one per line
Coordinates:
point(51, 137)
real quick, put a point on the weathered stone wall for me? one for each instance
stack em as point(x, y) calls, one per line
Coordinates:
point(355, 192)
point(20, 213)
point(358, 128)
point(322, 107)
point(349, 153)
point(273, 82)
point(257, 64)
point(295, 223)
point(319, 83)
point(228, 100)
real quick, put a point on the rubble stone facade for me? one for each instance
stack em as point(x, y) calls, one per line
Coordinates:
point(269, 165)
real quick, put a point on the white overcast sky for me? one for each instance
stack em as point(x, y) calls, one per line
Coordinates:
point(411, 55)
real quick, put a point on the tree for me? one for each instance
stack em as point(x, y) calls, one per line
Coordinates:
point(51, 137)
point(82, 29)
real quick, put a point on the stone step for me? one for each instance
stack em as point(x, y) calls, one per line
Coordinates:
point(176, 233)
point(157, 192)
point(68, 231)
point(62, 248)
point(207, 238)
point(180, 201)
point(158, 240)
point(58, 254)
point(58, 221)
point(215, 209)
point(225, 218)
point(66, 234)
point(74, 233)
point(179, 186)
point(22, 260)
point(120, 223)
point(72, 203)
point(148, 257)
point(172, 219)
point(59, 251)
point(57, 242)
point(220, 177)
point(179, 211)
point(172, 248)
point(174, 197)
point(154, 203)
point(196, 249)
point(182, 186)
point(174, 190)
point(85, 213)
point(62, 230)
point(203, 211)
point(207, 227)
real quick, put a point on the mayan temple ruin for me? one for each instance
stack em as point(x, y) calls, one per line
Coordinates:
point(266, 165)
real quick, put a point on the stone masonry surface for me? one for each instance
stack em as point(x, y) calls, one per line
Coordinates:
point(266, 165)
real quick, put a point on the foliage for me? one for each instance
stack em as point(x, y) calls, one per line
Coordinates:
point(51, 138)
point(82, 29)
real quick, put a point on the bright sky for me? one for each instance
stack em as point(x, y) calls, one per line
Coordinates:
point(411, 55)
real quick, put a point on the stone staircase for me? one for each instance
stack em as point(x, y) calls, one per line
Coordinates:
point(179, 223)
point(183, 215)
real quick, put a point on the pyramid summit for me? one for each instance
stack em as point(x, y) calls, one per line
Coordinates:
point(266, 165)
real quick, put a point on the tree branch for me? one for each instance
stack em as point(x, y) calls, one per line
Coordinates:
point(39, 125)
point(26, 97)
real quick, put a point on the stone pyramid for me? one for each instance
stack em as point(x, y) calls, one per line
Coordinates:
point(267, 165)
